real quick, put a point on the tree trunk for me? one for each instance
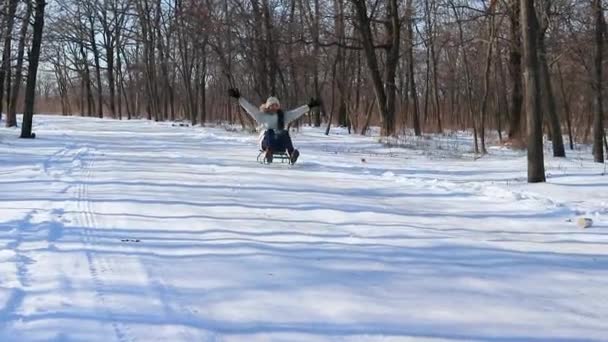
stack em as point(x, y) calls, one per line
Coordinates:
point(434, 63)
point(342, 69)
point(271, 51)
point(598, 119)
point(87, 80)
point(11, 9)
point(467, 74)
point(260, 56)
point(204, 87)
point(486, 83)
point(156, 98)
point(502, 104)
point(556, 129)
point(392, 62)
point(111, 81)
point(96, 58)
point(164, 74)
point(566, 106)
point(385, 98)
point(119, 75)
point(11, 117)
point(411, 62)
point(316, 53)
point(368, 117)
point(333, 100)
point(34, 57)
point(370, 54)
point(536, 168)
point(515, 70)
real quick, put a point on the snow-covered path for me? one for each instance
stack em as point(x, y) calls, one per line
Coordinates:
point(138, 231)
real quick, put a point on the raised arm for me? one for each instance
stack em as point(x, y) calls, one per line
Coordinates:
point(294, 114)
point(252, 110)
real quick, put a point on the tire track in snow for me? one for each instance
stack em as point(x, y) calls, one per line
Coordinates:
point(98, 264)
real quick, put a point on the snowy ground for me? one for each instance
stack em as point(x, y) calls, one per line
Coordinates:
point(355, 243)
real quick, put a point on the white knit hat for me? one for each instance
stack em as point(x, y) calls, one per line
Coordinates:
point(273, 100)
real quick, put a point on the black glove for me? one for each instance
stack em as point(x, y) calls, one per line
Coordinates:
point(314, 103)
point(234, 92)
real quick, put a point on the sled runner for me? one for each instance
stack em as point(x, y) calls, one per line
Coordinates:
point(282, 156)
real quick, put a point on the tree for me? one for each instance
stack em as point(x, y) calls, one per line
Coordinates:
point(486, 78)
point(529, 23)
point(467, 74)
point(34, 58)
point(547, 88)
point(385, 96)
point(11, 115)
point(411, 67)
point(598, 119)
point(10, 11)
point(515, 70)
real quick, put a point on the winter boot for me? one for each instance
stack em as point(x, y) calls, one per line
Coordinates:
point(293, 156)
point(268, 156)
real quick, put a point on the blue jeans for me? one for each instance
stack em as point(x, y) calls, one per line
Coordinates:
point(277, 142)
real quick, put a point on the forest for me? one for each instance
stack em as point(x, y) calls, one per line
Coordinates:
point(515, 69)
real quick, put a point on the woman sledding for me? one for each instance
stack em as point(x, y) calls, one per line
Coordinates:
point(274, 121)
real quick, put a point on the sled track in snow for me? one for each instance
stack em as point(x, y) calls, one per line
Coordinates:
point(98, 264)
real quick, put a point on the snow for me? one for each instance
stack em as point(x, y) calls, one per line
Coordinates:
point(142, 231)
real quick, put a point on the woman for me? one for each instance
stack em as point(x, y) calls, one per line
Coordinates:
point(274, 121)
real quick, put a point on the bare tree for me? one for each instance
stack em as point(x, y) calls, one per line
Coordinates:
point(467, 74)
point(10, 11)
point(486, 77)
point(598, 120)
point(34, 57)
point(546, 86)
point(529, 21)
point(515, 70)
point(385, 97)
point(11, 116)
point(411, 68)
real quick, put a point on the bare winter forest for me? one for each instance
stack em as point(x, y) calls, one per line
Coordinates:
point(517, 67)
point(303, 170)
